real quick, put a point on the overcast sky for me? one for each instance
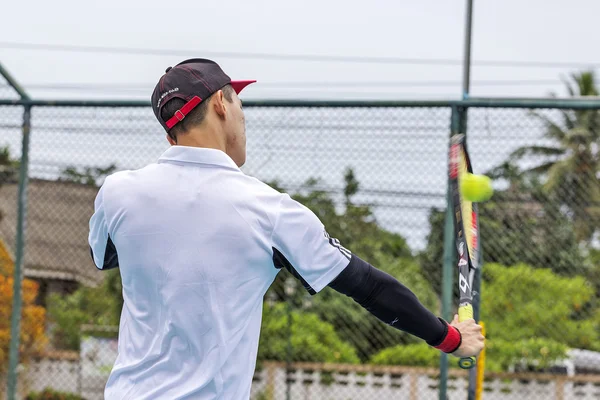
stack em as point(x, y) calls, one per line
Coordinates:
point(558, 31)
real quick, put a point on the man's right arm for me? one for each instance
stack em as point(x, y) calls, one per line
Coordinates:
point(393, 303)
point(301, 244)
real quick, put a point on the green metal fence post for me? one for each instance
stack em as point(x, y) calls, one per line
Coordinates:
point(448, 267)
point(15, 321)
point(290, 289)
point(447, 281)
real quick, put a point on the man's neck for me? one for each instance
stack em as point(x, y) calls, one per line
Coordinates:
point(206, 138)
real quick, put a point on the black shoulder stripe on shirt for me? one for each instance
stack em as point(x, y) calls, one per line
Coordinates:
point(280, 261)
point(111, 259)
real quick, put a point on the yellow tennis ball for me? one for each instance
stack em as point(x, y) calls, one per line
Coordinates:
point(476, 188)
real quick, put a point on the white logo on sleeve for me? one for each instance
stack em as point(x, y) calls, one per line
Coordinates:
point(336, 243)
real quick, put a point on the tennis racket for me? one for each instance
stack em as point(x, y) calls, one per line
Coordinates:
point(466, 228)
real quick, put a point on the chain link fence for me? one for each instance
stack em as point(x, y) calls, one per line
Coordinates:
point(377, 177)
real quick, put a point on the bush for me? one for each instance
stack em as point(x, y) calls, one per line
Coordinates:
point(417, 354)
point(365, 332)
point(533, 353)
point(528, 354)
point(520, 302)
point(312, 339)
point(93, 306)
point(49, 394)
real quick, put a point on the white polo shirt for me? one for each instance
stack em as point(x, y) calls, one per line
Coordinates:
point(198, 244)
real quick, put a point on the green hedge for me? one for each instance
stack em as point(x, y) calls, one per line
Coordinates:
point(535, 353)
point(49, 394)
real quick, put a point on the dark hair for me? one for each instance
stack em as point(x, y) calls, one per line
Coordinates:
point(195, 117)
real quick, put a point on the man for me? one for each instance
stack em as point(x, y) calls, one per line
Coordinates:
point(198, 244)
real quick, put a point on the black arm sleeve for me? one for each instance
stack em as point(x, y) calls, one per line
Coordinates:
point(389, 300)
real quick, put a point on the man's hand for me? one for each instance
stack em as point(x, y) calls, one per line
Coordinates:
point(472, 339)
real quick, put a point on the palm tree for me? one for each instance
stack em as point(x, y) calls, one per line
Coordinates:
point(571, 163)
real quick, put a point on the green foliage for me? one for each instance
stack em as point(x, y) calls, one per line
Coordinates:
point(90, 176)
point(264, 395)
point(532, 316)
point(367, 333)
point(416, 354)
point(312, 340)
point(49, 394)
point(570, 165)
point(517, 225)
point(357, 230)
point(9, 167)
point(355, 227)
point(92, 306)
point(431, 259)
point(527, 354)
point(524, 225)
point(521, 302)
point(593, 268)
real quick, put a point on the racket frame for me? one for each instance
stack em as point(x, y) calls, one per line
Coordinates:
point(467, 259)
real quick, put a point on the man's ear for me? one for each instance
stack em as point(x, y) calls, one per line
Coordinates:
point(171, 141)
point(218, 100)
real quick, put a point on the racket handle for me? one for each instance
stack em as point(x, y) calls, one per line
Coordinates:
point(466, 312)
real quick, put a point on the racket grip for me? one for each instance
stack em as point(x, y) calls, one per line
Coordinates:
point(466, 312)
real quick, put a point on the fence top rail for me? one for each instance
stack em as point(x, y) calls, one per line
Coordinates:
point(564, 103)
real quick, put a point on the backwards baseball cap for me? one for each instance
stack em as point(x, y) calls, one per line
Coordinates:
point(193, 81)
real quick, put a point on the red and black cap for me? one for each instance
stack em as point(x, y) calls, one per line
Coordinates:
point(193, 81)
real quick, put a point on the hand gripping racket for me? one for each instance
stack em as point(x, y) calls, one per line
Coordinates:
point(466, 229)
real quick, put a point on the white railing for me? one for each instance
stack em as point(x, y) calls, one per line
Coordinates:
point(363, 382)
point(334, 382)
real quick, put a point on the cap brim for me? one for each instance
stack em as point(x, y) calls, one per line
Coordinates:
point(238, 86)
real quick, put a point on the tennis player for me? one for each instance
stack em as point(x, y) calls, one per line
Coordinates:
point(198, 244)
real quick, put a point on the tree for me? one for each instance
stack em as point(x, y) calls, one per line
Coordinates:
point(593, 268)
point(517, 225)
point(364, 331)
point(99, 306)
point(355, 226)
point(532, 354)
point(431, 259)
point(501, 355)
point(523, 224)
point(416, 354)
point(86, 306)
point(9, 167)
point(532, 316)
point(32, 339)
point(570, 165)
point(33, 317)
point(312, 340)
point(90, 176)
point(521, 302)
point(357, 229)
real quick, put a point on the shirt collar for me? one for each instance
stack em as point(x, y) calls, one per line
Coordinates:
point(197, 155)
